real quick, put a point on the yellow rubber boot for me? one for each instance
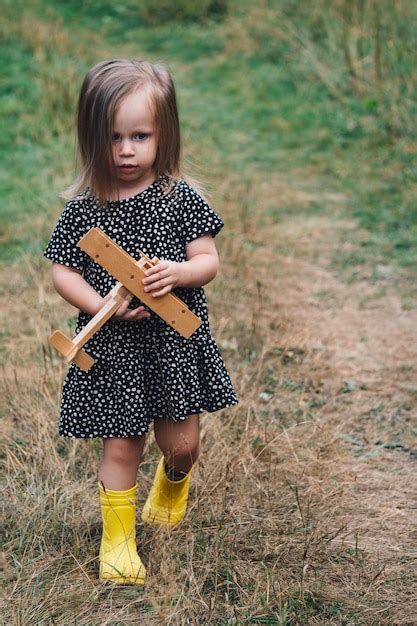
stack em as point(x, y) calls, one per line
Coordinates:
point(167, 500)
point(119, 560)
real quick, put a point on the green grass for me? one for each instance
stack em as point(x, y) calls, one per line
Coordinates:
point(252, 114)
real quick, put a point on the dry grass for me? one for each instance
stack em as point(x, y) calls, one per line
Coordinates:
point(300, 511)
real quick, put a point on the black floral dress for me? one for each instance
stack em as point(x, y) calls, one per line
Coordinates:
point(144, 370)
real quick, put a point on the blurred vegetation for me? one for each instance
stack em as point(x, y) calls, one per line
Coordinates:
point(361, 51)
point(265, 88)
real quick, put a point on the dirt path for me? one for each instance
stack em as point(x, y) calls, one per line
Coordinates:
point(360, 353)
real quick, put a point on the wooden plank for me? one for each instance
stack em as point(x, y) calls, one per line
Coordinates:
point(117, 295)
point(72, 348)
point(130, 273)
point(64, 345)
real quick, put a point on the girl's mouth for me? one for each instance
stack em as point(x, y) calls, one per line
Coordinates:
point(127, 168)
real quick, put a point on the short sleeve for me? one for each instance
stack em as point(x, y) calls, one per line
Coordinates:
point(198, 217)
point(71, 226)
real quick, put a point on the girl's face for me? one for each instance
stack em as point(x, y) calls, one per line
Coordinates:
point(134, 144)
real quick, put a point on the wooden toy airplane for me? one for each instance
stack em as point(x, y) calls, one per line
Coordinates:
point(129, 273)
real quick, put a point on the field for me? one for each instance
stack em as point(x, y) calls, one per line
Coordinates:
point(301, 124)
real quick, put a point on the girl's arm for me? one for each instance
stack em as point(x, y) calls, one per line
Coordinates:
point(200, 268)
point(70, 284)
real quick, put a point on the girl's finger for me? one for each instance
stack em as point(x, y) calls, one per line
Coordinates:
point(141, 313)
point(156, 268)
point(122, 309)
point(132, 314)
point(162, 292)
point(151, 279)
point(139, 309)
point(157, 284)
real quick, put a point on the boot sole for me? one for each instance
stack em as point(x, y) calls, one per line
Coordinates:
point(118, 577)
point(159, 517)
point(123, 581)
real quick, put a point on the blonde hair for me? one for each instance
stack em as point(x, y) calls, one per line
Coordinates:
point(103, 89)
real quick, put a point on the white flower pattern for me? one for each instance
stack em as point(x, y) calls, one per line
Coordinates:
point(145, 370)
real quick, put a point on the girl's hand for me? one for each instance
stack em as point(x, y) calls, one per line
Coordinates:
point(131, 315)
point(162, 278)
point(128, 315)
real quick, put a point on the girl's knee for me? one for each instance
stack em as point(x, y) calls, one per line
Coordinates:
point(122, 451)
point(183, 449)
point(179, 440)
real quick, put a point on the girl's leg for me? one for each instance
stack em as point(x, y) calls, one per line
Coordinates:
point(179, 442)
point(121, 458)
point(119, 560)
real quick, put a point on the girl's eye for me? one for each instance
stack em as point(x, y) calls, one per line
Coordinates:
point(135, 137)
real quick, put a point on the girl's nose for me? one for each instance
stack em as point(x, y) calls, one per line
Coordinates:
point(125, 148)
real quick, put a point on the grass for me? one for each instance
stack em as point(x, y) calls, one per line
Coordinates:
point(314, 312)
point(279, 117)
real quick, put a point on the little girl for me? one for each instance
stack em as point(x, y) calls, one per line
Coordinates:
point(130, 186)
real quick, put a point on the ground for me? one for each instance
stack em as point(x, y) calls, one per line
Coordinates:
point(304, 496)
